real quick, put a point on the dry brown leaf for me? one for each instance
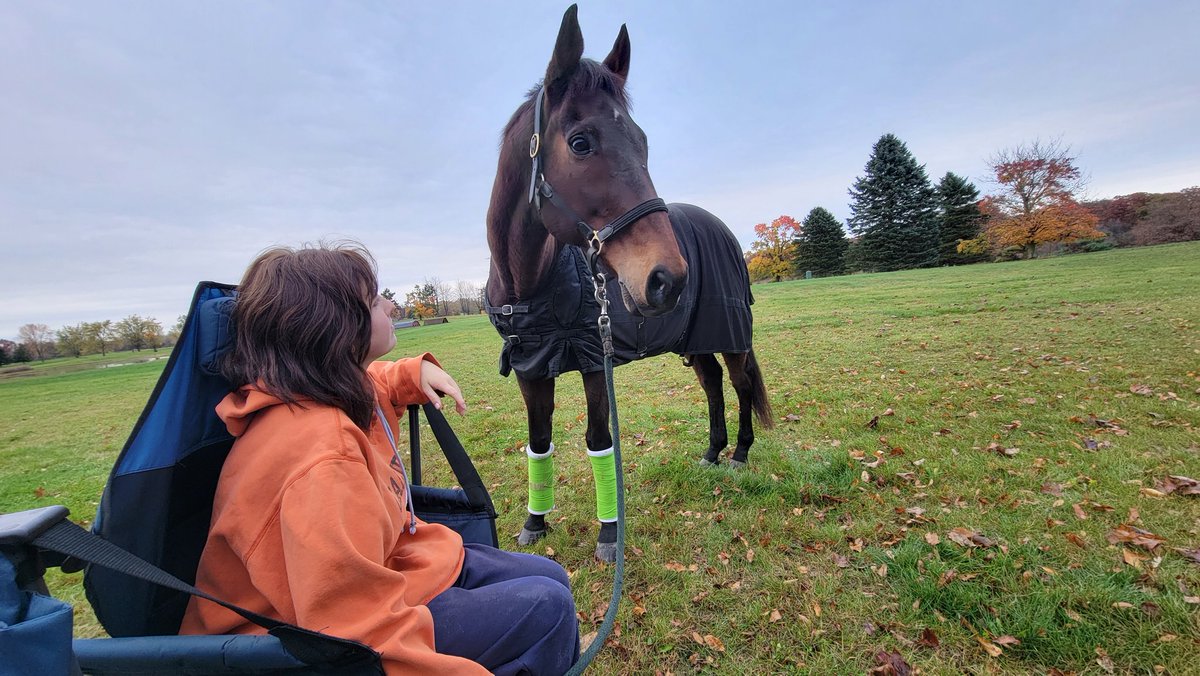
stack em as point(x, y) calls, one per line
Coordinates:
point(714, 643)
point(775, 616)
point(928, 639)
point(1126, 533)
point(1192, 555)
point(675, 566)
point(992, 649)
point(1076, 540)
point(1133, 558)
point(890, 664)
point(932, 538)
point(1079, 513)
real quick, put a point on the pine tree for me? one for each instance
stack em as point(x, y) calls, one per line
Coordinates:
point(894, 209)
point(960, 218)
point(821, 245)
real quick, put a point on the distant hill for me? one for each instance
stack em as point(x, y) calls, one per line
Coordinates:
point(1150, 218)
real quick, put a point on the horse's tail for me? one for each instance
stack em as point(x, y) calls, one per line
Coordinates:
point(758, 393)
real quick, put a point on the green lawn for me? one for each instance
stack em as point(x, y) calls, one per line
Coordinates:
point(1035, 405)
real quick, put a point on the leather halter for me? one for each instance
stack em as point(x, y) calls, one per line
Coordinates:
point(539, 187)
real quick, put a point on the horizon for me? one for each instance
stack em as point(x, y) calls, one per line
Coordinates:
point(151, 146)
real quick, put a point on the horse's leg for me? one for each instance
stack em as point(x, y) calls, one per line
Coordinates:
point(744, 386)
point(708, 370)
point(604, 468)
point(539, 408)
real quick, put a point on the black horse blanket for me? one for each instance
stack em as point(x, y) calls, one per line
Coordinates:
point(555, 331)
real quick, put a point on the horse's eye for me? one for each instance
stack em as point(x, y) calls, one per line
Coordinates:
point(580, 145)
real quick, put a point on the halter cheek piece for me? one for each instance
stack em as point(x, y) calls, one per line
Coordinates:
point(539, 187)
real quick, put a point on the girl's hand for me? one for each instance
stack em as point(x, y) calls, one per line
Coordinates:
point(436, 383)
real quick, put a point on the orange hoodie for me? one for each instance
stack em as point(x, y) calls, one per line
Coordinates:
point(310, 526)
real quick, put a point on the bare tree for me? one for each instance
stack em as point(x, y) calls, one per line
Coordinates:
point(443, 291)
point(467, 293)
point(35, 338)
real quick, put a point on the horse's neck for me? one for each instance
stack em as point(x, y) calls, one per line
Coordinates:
point(523, 257)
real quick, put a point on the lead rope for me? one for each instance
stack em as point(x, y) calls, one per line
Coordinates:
point(604, 324)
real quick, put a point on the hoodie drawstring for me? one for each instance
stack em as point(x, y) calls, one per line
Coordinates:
point(412, 514)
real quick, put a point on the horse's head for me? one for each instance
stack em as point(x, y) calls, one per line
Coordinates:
point(594, 156)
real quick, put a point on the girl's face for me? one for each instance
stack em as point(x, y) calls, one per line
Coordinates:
point(383, 336)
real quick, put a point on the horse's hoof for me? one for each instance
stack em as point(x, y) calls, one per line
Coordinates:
point(705, 462)
point(528, 537)
point(606, 551)
point(736, 464)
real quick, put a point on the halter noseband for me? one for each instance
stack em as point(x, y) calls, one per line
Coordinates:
point(539, 187)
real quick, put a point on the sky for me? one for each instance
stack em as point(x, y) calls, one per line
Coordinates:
point(146, 146)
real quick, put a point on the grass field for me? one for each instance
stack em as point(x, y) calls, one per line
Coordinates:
point(1026, 411)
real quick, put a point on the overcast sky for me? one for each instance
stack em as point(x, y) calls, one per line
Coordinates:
point(145, 146)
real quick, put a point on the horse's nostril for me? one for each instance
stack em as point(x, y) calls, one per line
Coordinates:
point(662, 289)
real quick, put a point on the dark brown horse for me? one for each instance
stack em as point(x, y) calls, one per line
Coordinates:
point(572, 173)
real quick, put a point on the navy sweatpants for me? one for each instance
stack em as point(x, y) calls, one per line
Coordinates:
point(511, 612)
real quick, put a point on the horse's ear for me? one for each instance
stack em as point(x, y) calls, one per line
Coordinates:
point(567, 50)
point(618, 59)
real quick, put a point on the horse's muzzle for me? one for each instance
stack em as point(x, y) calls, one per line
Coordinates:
point(662, 291)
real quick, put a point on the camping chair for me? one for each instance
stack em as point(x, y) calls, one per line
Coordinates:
point(157, 505)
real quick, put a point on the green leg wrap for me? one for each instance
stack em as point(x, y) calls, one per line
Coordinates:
point(604, 472)
point(541, 481)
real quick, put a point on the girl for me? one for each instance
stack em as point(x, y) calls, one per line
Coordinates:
point(312, 521)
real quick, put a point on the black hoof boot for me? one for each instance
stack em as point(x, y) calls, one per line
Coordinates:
point(606, 543)
point(535, 529)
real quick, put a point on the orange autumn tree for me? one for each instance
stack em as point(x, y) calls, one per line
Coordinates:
point(1036, 202)
point(773, 253)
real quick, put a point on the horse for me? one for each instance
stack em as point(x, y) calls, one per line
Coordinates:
point(572, 175)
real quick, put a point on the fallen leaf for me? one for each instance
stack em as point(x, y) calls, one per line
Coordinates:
point(586, 640)
point(928, 639)
point(1132, 558)
point(675, 566)
point(1007, 640)
point(1075, 540)
point(873, 423)
point(1126, 533)
point(889, 412)
point(39, 492)
point(1152, 492)
point(1192, 555)
point(969, 538)
point(890, 664)
point(1143, 390)
point(714, 643)
point(1167, 638)
point(1079, 513)
point(775, 616)
point(841, 561)
point(1052, 488)
point(992, 649)
point(932, 538)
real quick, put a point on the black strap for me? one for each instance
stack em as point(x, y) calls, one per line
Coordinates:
point(464, 470)
point(65, 537)
point(414, 445)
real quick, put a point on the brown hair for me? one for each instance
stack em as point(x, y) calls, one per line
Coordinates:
point(302, 326)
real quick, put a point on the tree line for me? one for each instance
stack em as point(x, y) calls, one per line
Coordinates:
point(37, 342)
point(900, 220)
point(433, 298)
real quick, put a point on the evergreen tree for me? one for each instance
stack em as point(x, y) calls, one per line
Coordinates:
point(821, 245)
point(959, 216)
point(894, 209)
